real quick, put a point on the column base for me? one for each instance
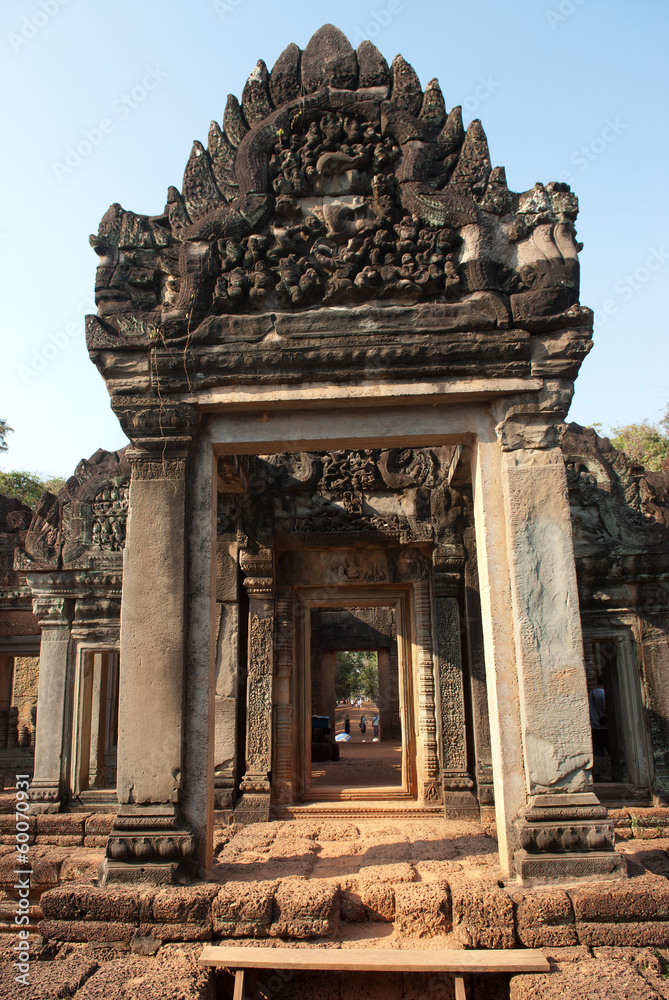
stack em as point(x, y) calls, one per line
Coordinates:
point(586, 866)
point(149, 843)
point(459, 799)
point(566, 837)
point(44, 797)
point(253, 808)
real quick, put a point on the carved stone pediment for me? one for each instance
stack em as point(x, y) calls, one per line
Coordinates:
point(335, 181)
point(618, 508)
point(84, 526)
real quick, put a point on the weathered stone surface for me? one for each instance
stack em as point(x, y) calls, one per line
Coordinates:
point(244, 909)
point(423, 909)
point(172, 975)
point(401, 872)
point(482, 917)
point(378, 898)
point(55, 824)
point(305, 908)
point(622, 902)
point(545, 919)
point(627, 933)
point(589, 980)
point(83, 902)
point(87, 930)
point(196, 930)
point(50, 980)
point(436, 986)
point(184, 905)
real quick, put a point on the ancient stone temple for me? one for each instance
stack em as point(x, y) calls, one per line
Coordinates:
point(344, 356)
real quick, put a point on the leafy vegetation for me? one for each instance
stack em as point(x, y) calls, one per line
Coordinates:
point(357, 675)
point(5, 429)
point(28, 486)
point(645, 443)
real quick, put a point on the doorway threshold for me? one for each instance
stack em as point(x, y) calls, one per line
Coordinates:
point(347, 793)
point(357, 809)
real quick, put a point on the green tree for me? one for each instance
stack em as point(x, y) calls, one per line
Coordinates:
point(355, 674)
point(5, 429)
point(28, 486)
point(645, 443)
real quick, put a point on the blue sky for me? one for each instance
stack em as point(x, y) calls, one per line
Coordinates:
point(571, 90)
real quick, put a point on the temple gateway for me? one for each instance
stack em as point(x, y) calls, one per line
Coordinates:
point(344, 356)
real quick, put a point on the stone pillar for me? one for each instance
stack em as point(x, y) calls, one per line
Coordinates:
point(150, 840)
point(459, 802)
point(6, 671)
point(386, 707)
point(328, 671)
point(96, 760)
point(54, 614)
point(550, 824)
point(284, 768)
point(227, 655)
point(429, 789)
point(255, 785)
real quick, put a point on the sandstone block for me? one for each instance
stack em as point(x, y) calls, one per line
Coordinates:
point(483, 917)
point(173, 974)
point(621, 903)
point(60, 839)
point(594, 980)
point(651, 933)
point(87, 930)
point(244, 909)
point(84, 902)
point(197, 930)
point(337, 831)
point(351, 907)
point(99, 824)
point(53, 980)
point(401, 872)
point(423, 909)
point(371, 986)
point(546, 920)
point(95, 841)
point(70, 824)
point(378, 898)
point(184, 904)
point(304, 909)
point(81, 866)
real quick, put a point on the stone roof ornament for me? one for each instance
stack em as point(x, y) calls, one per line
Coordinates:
point(338, 180)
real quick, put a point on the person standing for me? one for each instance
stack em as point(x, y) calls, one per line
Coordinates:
point(375, 725)
point(347, 725)
point(363, 724)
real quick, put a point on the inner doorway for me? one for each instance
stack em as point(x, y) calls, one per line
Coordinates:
point(360, 742)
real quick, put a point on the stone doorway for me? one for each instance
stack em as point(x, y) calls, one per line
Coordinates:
point(362, 770)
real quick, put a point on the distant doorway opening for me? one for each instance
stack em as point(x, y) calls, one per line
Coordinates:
point(359, 737)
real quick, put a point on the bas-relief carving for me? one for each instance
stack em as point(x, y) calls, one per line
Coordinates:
point(449, 673)
point(339, 189)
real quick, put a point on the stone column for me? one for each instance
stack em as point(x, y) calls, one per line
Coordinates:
point(54, 614)
point(550, 824)
point(150, 840)
point(328, 670)
point(459, 802)
point(255, 785)
point(227, 654)
point(429, 789)
point(284, 767)
point(96, 760)
point(386, 706)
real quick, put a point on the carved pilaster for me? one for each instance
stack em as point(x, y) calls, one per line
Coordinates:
point(255, 785)
point(54, 613)
point(282, 784)
point(457, 782)
point(429, 788)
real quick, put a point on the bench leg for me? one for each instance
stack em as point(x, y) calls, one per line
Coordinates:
point(459, 989)
point(246, 981)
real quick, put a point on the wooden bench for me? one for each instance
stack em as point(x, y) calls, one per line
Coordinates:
point(246, 963)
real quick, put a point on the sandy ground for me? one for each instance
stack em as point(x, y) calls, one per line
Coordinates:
point(362, 763)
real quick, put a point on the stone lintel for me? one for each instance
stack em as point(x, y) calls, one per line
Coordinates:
point(372, 392)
